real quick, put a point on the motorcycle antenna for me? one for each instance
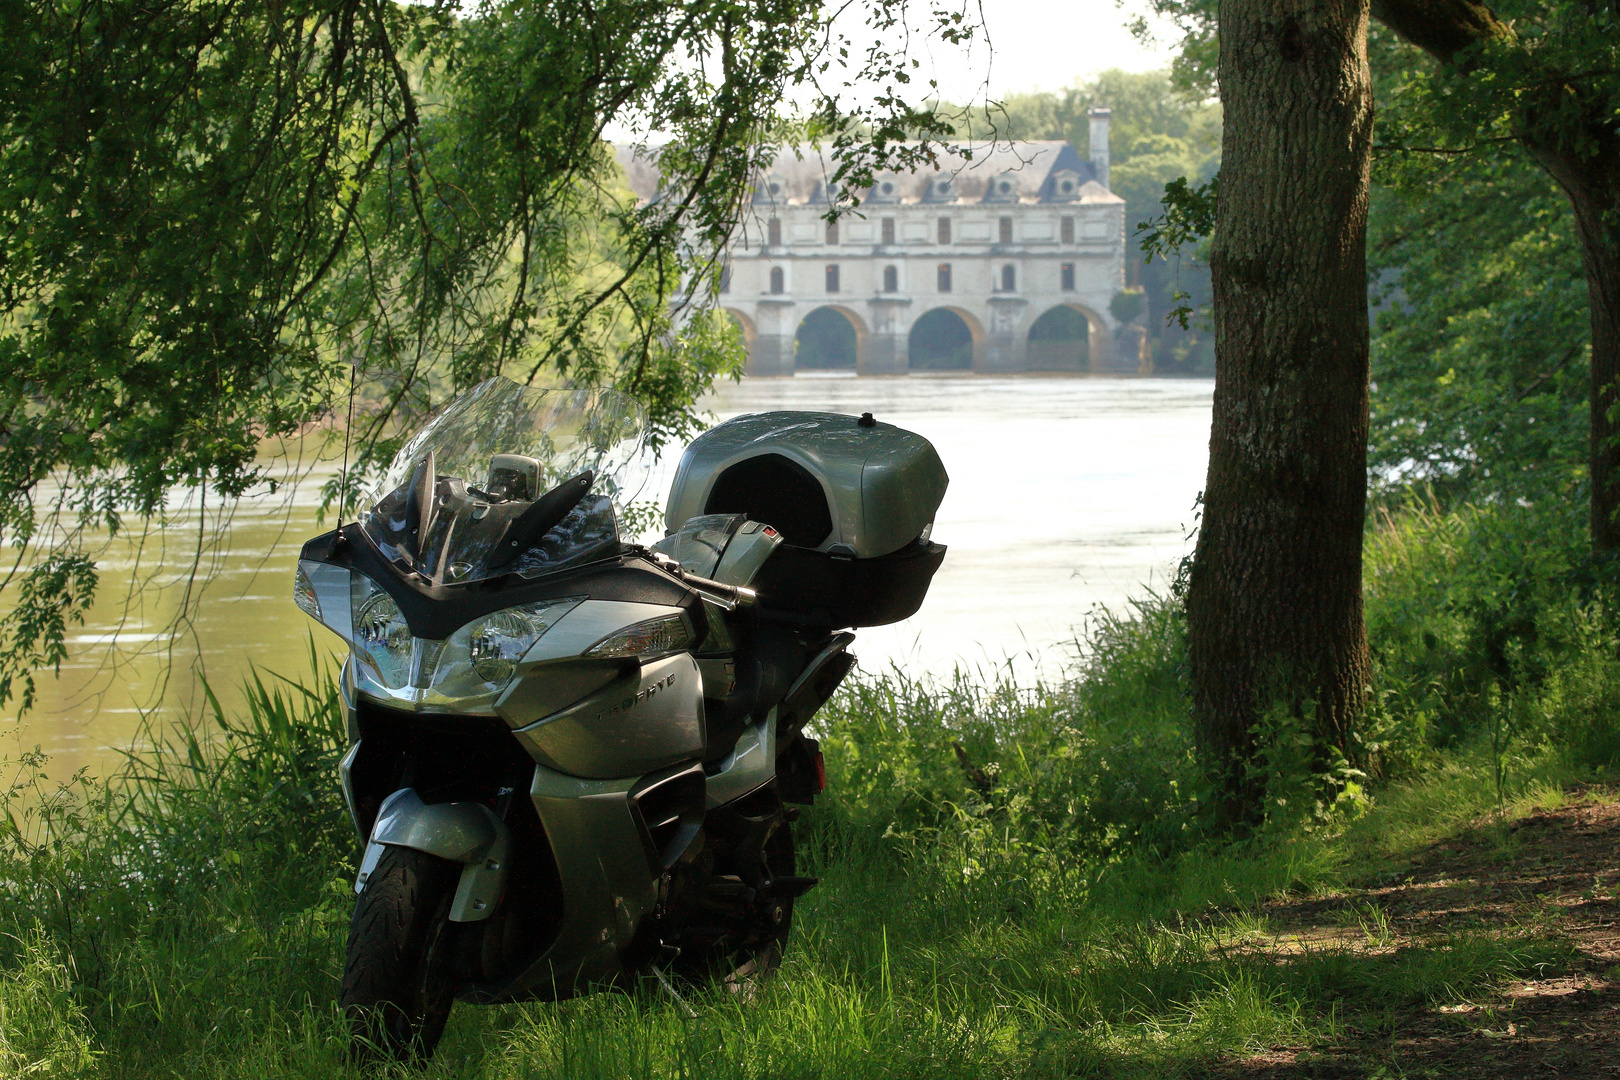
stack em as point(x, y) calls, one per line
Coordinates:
point(343, 482)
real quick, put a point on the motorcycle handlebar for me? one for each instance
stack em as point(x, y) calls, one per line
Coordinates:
point(727, 596)
point(716, 592)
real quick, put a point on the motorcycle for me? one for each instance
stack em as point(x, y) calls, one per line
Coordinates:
point(577, 761)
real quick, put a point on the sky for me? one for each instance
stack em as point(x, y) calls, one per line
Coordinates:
point(1047, 45)
point(1034, 45)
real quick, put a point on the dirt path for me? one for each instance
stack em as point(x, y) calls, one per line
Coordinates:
point(1554, 875)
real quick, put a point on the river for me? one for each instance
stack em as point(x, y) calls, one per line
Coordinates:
point(1066, 494)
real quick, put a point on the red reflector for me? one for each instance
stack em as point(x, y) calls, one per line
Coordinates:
point(821, 772)
point(769, 531)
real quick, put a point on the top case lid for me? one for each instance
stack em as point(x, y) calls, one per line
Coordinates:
point(881, 484)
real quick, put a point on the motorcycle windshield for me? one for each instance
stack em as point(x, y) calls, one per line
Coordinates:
point(487, 487)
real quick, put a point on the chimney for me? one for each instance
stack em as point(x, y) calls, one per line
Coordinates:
point(1099, 143)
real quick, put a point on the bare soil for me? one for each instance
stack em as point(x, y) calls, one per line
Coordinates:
point(1556, 874)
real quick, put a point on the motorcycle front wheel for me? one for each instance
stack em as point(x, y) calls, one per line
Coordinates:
point(397, 984)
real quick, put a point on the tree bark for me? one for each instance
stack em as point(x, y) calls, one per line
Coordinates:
point(1274, 603)
point(1591, 180)
point(1580, 148)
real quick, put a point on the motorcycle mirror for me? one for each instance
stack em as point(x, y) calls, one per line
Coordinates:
point(419, 501)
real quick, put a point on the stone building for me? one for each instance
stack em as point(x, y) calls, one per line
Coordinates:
point(1004, 263)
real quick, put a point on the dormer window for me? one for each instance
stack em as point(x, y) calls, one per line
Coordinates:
point(941, 189)
point(772, 189)
point(1064, 186)
point(885, 191)
point(1003, 188)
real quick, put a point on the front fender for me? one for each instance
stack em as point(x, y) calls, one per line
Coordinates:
point(462, 832)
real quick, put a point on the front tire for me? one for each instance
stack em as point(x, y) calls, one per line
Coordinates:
point(397, 982)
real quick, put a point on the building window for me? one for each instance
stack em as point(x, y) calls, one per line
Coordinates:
point(944, 230)
point(773, 231)
point(1006, 230)
point(725, 278)
point(1066, 230)
point(888, 230)
point(1066, 275)
point(1009, 278)
point(832, 278)
point(943, 277)
point(776, 279)
point(832, 232)
point(891, 279)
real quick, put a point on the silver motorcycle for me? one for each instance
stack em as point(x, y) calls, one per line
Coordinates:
point(576, 761)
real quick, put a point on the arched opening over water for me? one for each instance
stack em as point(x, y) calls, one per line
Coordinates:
point(943, 340)
point(829, 339)
point(1060, 340)
point(745, 327)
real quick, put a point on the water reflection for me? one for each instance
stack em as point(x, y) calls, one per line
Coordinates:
point(1066, 493)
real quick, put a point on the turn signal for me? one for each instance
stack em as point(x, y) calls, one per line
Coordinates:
point(655, 637)
point(304, 595)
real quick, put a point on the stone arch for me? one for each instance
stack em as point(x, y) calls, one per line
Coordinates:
point(945, 339)
point(750, 332)
point(1068, 337)
point(822, 344)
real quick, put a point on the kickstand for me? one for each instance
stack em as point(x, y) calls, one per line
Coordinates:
point(691, 1014)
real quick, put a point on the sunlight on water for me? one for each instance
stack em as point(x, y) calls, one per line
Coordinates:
point(1065, 493)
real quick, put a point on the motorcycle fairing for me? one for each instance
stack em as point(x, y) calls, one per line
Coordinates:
point(748, 766)
point(434, 612)
point(646, 720)
point(608, 884)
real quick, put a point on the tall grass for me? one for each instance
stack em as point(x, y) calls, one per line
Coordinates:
point(1016, 881)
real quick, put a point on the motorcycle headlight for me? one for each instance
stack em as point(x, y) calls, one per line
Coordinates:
point(483, 655)
point(380, 633)
point(655, 637)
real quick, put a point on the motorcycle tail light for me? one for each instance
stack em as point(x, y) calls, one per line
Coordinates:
point(655, 637)
point(304, 595)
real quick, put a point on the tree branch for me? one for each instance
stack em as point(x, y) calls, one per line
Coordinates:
point(1441, 28)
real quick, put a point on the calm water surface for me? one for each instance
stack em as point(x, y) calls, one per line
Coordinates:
point(1065, 494)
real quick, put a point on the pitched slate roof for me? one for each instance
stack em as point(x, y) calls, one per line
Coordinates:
point(1031, 170)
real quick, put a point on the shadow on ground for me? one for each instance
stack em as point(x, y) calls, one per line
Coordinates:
point(1552, 876)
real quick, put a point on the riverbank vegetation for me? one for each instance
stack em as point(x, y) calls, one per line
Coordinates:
point(1015, 881)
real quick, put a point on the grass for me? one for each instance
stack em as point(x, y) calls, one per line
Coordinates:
point(1015, 883)
point(189, 917)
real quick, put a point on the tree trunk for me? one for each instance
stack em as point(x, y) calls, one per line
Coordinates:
point(1568, 127)
point(1274, 604)
point(1590, 177)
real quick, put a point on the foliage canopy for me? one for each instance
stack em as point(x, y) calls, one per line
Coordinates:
point(217, 215)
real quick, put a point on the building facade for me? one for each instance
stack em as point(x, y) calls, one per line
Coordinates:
point(1004, 263)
